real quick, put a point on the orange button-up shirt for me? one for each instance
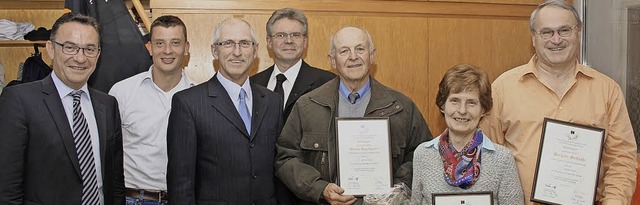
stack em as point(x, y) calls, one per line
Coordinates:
point(521, 102)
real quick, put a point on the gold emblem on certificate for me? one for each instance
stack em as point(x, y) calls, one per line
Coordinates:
point(568, 163)
point(364, 155)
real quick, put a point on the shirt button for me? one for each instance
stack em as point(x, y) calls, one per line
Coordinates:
point(254, 176)
point(251, 145)
point(397, 106)
point(315, 145)
point(560, 107)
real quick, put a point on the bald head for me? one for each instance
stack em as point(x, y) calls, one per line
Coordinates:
point(350, 32)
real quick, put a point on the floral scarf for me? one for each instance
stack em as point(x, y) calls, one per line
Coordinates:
point(462, 168)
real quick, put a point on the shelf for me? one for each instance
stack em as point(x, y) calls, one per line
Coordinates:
point(20, 43)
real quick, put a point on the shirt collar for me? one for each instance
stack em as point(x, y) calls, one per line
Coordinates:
point(64, 90)
point(290, 73)
point(344, 91)
point(530, 68)
point(234, 89)
point(486, 143)
point(148, 75)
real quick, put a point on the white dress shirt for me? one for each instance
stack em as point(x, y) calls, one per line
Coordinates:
point(87, 110)
point(233, 90)
point(287, 85)
point(144, 110)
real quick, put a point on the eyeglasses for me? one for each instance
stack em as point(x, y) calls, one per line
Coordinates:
point(563, 32)
point(161, 43)
point(293, 36)
point(231, 44)
point(72, 49)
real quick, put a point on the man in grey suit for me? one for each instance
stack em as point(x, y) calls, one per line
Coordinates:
point(61, 141)
point(290, 76)
point(222, 134)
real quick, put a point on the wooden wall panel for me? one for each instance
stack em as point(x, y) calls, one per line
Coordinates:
point(530, 2)
point(493, 45)
point(12, 56)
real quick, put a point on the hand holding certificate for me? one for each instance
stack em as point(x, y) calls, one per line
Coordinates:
point(364, 156)
point(568, 163)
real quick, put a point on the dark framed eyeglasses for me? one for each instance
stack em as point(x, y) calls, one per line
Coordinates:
point(72, 49)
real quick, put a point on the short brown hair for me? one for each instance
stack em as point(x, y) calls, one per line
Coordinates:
point(465, 77)
point(168, 21)
point(74, 17)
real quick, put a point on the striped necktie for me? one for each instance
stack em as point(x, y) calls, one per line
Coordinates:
point(82, 140)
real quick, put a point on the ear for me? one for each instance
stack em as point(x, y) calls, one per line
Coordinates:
point(332, 60)
point(372, 56)
point(149, 49)
point(50, 49)
point(214, 52)
point(255, 52)
point(186, 48)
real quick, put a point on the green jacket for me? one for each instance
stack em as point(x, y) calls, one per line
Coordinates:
point(306, 160)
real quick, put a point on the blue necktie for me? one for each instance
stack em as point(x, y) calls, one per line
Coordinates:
point(82, 139)
point(244, 110)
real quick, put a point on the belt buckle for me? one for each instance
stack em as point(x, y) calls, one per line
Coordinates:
point(161, 195)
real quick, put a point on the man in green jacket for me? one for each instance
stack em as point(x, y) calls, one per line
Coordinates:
point(307, 145)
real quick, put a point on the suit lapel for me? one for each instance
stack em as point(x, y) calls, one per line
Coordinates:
point(259, 108)
point(101, 122)
point(55, 107)
point(221, 102)
point(304, 82)
point(263, 78)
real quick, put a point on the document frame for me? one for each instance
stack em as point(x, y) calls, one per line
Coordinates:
point(363, 155)
point(463, 198)
point(568, 163)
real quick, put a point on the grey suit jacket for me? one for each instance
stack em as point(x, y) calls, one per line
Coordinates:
point(212, 158)
point(37, 152)
point(309, 78)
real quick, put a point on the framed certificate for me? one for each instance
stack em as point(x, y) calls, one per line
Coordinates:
point(568, 163)
point(468, 198)
point(364, 155)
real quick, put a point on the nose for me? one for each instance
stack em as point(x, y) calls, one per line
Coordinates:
point(167, 49)
point(556, 38)
point(353, 55)
point(80, 57)
point(236, 50)
point(288, 39)
point(462, 109)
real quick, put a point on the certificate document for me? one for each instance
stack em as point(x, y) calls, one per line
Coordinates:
point(364, 155)
point(468, 198)
point(568, 163)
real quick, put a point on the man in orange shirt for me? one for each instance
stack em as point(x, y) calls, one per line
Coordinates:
point(553, 84)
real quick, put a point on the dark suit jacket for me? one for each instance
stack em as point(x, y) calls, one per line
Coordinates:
point(212, 158)
point(37, 153)
point(309, 78)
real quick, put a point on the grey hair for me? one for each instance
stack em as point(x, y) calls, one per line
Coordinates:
point(290, 13)
point(332, 50)
point(216, 31)
point(553, 3)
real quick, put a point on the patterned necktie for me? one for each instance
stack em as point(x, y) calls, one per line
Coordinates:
point(353, 97)
point(82, 140)
point(244, 110)
point(280, 78)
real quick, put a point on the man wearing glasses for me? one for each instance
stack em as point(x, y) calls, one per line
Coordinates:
point(290, 76)
point(222, 133)
point(553, 84)
point(145, 103)
point(61, 141)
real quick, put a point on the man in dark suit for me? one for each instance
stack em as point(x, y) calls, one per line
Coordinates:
point(222, 133)
point(290, 76)
point(61, 141)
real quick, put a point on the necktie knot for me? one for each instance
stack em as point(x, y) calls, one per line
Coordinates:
point(353, 97)
point(280, 78)
point(76, 95)
point(242, 94)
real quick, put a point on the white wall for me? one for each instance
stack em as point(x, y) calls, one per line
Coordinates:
point(606, 36)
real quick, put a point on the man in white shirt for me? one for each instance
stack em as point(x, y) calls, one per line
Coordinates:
point(145, 103)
